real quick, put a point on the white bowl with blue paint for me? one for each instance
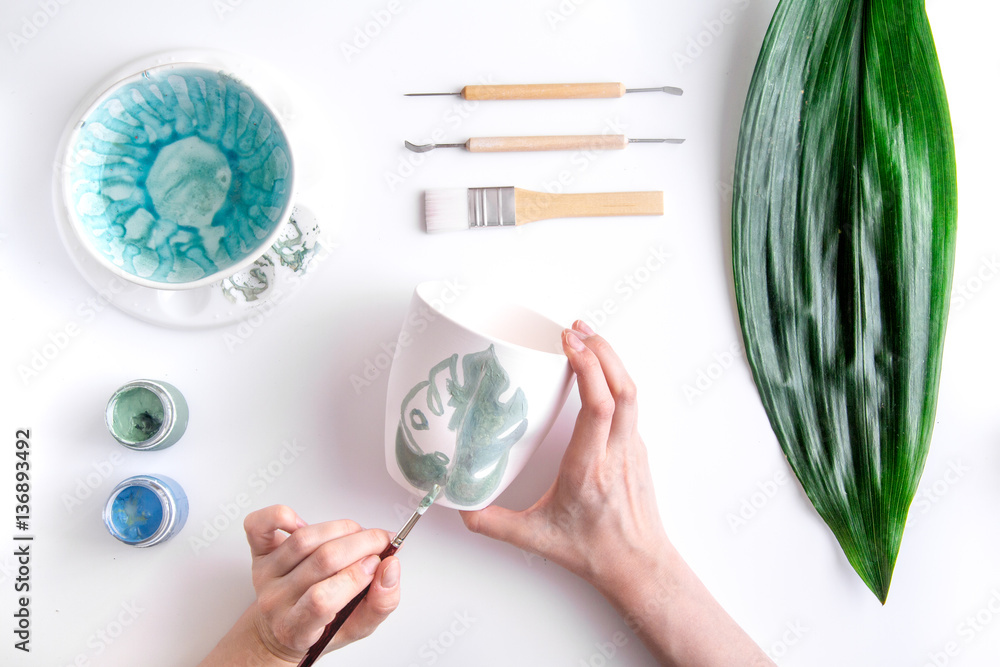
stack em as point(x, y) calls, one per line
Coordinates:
point(178, 176)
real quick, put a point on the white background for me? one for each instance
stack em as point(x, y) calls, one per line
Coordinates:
point(289, 379)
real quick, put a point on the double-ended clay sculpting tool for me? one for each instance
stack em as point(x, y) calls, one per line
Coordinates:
point(455, 209)
point(312, 655)
point(550, 91)
point(570, 142)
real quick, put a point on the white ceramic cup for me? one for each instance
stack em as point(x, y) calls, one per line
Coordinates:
point(476, 384)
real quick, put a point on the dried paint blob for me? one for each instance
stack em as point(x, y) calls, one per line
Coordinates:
point(137, 415)
point(144, 510)
point(136, 514)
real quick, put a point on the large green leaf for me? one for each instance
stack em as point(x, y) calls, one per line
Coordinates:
point(844, 213)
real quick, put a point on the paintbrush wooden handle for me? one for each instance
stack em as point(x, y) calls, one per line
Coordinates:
point(316, 650)
point(561, 143)
point(531, 205)
point(544, 91)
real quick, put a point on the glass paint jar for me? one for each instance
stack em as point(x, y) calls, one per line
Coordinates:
point(145, 510)
point(147, 414)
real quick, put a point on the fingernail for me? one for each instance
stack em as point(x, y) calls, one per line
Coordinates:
point(370, 564)
point(300, 523)
point(573, 340)
point(585, 328)
point(390, 575)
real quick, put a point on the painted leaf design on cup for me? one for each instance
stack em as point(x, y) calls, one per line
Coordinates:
point(484, 426)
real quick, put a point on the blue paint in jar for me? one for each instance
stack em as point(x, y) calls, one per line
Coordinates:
point(146, 510)
point(136, 513)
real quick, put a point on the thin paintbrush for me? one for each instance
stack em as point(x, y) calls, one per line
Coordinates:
point(462, 208)
point(312, 655)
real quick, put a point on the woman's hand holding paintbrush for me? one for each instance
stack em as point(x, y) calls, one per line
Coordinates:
point(343, 616)
point(599, 519)
point(303, 575)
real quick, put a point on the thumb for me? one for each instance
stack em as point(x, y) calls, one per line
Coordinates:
point(501, 524)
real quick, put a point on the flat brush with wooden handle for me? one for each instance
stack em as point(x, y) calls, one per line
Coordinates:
point(464, 208)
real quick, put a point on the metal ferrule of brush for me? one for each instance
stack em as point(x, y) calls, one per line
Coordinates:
point(405, 530)
point(491, 207)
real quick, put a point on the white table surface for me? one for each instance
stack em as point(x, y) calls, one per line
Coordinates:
point(468, 600)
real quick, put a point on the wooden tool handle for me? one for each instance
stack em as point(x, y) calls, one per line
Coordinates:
point(316, 650)
point(563, 143)
point(544, 91)
point(531, 205)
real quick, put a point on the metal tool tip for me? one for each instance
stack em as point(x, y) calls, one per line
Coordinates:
point(656, 141)
point(670, 90)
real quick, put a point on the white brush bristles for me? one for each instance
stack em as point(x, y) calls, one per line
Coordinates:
point(446, 210)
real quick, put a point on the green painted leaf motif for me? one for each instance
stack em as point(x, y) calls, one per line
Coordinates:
point(486, 426)
point(844, 213)
point(423, 469)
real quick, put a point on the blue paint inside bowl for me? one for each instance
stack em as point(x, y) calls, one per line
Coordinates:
point(179, 174)
point(136, 514)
